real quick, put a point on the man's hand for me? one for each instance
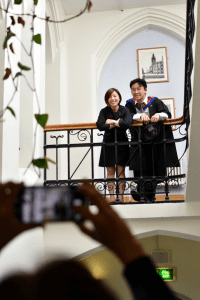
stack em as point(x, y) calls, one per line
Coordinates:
point(109, 228)
point(145, 118)
point(9, 225)
point(155, 118)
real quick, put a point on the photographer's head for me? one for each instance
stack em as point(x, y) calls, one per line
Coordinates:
point(63, 279)
point(138, 89)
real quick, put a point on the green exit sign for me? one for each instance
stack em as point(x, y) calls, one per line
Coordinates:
point(167, 274)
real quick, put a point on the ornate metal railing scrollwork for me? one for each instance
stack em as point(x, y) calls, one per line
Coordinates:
point(83, 139)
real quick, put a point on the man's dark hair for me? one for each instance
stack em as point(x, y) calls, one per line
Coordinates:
point(139, 81)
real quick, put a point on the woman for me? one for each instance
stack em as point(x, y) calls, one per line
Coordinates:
point(114, 115)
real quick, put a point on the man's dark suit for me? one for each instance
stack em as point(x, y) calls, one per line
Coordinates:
point(154, 162)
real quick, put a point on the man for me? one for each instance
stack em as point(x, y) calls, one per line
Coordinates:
point(150, 157)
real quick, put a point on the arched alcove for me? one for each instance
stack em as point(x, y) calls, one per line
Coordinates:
point(133, 24)
point(146, 235)
point(183, 255)
point(145, 18)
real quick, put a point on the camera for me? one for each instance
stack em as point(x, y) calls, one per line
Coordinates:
point(36, 204)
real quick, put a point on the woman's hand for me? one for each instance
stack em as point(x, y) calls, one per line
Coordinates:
point(9, 225)
point(110, 121)
point(109, 228)
point(117, 123)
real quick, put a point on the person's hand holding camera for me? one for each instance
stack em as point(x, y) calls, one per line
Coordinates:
point(10, 227)
point(110, 229)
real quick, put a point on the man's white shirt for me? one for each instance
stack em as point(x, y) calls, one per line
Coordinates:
point(140, 111)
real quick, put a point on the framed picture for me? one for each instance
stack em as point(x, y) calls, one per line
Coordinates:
point(169, 102)
point(152, 64)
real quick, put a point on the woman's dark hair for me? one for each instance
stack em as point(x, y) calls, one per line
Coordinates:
point(139, 81)
point(109, 93)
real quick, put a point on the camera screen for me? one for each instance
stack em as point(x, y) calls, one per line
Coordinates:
point(53, 203)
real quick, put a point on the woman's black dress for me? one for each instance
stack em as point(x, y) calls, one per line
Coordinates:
point(107, 157)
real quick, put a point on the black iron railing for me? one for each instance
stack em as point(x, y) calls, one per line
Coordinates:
point(85, 137)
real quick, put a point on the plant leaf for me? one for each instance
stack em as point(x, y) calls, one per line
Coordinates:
point(8, 72)
point(21, 21)
point(37, 38)
point(40, 163)
point(41, 119)
point(11, 48)
point(13, 20)
point(50, 160)
point(18, 74)
point(89, 5)
point(11, 110)
point(23, 67)
point(18, 1)
point(35, 2)
point(9, 35)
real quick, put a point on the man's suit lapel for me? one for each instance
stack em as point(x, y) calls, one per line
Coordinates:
point(152, 109)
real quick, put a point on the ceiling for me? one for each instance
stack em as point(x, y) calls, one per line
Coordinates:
point(72, 7)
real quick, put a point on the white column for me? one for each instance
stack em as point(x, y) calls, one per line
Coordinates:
point(63, 107)
point(10, 145)
point(39, 59)
point(26, 105)
point(28, 100)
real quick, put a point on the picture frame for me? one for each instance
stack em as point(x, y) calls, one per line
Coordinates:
point(153, 64)
point(170, 103)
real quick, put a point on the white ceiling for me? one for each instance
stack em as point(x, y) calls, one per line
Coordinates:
point(72, 7)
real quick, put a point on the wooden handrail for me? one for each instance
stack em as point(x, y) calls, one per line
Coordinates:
point(73, 126)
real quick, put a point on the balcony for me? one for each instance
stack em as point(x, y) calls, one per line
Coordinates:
point(76, 148)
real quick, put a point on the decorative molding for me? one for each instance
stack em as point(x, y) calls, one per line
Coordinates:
point(141, 236)
point(56, 12)
point(3, 5)
point(1, 15)
point(168, 233)
point(136, 22)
